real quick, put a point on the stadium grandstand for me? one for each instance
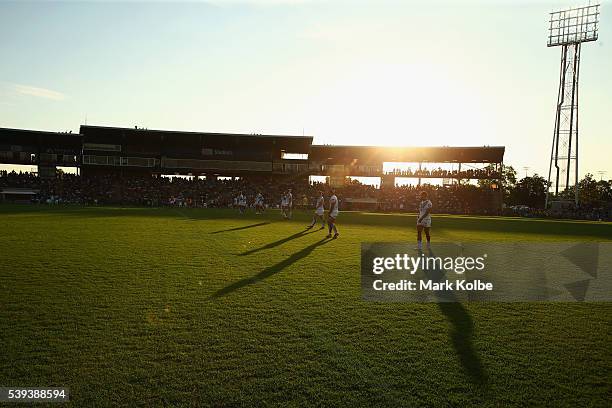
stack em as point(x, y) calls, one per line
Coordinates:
point(125, 166)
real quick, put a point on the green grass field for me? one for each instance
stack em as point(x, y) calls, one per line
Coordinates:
point(208, 308)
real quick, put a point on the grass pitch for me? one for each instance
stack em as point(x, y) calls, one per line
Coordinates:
point(210, 308)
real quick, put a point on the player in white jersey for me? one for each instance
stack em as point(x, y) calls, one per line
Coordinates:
point(289, 204)
point(424, 221)
point(284, 201)
point(259, 203)
point(333, 214)
point(242, 203)
point(319, 212)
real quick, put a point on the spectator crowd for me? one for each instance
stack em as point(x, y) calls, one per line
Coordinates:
point(222, 192)
point(487, 172)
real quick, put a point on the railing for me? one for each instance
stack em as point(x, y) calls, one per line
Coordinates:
point(103, 147)
point(94, 160)
point(231, 165)
point(280, 167)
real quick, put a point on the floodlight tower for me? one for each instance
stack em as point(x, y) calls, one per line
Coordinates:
point(569, 29)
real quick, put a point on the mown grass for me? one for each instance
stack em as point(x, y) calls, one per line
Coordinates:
point(208, 308)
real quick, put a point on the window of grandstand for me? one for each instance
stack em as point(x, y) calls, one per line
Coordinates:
point(103, 147)
point(290, 167)
point(138, 161)
point(333, 168)
point(216, 164)
point(368, 169)
point(17, 157)
point(315, 166)
point(24, 156)
point(101, 160)
point(141, 149)
point(119, 161)
point(294, 156)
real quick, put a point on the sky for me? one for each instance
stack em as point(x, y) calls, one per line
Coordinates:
point(405, 73)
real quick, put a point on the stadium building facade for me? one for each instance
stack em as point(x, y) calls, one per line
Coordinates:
point(100, 150)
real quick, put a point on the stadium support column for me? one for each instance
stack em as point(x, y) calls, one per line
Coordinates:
point(387, 180)
point(47, 171)
point(336, 181)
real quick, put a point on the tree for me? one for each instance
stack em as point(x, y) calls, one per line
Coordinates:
point(530, 191)
point(508, 180)
point(590, 191)
point(604, 189)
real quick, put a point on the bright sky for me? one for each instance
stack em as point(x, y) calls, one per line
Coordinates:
point(346, 72)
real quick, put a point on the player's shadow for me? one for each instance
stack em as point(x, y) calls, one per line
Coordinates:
point(463, 327)
point(269, 271)
point(278, 242)
point(259, 224)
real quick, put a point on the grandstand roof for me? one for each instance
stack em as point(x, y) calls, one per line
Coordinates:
point(181, 132)
point(377, 154)
point(185, 143)
point(195, 140)
point(36, 139)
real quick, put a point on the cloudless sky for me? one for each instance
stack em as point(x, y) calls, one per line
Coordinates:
point(347, 72)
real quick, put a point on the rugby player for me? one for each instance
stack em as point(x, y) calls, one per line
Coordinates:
point(333, 214)
point(289, 203)
point(424, 221)
point(242, 203)
point(284, 201)
point(259, 203)
point(319, 212)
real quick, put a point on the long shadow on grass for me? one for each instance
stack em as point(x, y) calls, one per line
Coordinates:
point(462, 330)
point(241, 228)
point(277, 243)
point(269, 271)
point(557, 228)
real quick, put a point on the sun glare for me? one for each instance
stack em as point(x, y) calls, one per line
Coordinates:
point(403, 105)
